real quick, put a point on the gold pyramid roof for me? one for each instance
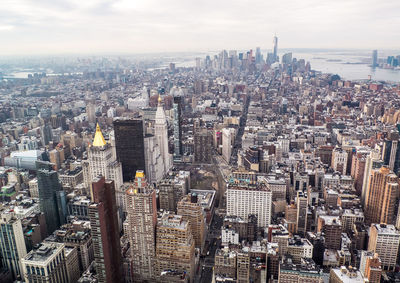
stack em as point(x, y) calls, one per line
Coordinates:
point(98, 137)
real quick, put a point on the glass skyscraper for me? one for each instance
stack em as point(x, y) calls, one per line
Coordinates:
point(51, 195)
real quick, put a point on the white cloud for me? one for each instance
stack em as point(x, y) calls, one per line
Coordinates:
point(60, 26)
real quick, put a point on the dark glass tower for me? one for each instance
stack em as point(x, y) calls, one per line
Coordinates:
point(105, 233)
point(129, 145)
point(391, 152)
point(51, 196)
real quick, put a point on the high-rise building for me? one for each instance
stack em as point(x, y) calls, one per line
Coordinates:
point(102, 162)
point(12, 243)
point(391, 152)
point(331, 226)
point(358, 169)
point(280, 235)
point(46, 264)
point(228, 135)
point(374, 58)
point(243, 267)
point(339, 160)
point(276, 59)
point(306, 271)
point(168, 195)
point(46, 133)
point(91, 112)
point(105, 233)
point(287, 58)
point(245, 199)
point(291, 218)
point(344, 275)
point(203, 141)
point(225, 263)
point(192, 211)
point(384, 240)
point(370, 266)
point(51, 195)
point(373, 161)
point(55, 158)
point(172, 188)
point(174, 245)
point(178, 126)
point(302, 210)
point(141, 227)
point(258, 55)
point(153, 159)
point(381, 195)
point(129, 145)
point(161, 133)
point(299, 248)
point(76, 235)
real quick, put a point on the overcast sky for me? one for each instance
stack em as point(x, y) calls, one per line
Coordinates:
point(137, 26)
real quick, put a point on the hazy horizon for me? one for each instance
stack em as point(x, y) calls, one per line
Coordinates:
point(51, 27)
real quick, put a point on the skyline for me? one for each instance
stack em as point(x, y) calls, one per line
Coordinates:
point(95, 27)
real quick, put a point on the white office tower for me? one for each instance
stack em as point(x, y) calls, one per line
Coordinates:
point(228, 135)
point(140, 101)
point(161, 133)
point(46, 264)
point(111, 112)
point(12, 243)
point(372, 162)
point(153, 160)
point(244, 199)
point(146, 96)
point(102, 162)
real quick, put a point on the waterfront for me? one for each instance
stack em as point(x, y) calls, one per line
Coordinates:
point(349, 64)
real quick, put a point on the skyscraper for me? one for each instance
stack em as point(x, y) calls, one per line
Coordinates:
point(228, 135)
point(47, 264)
point(153, 160)
point(192, 211)
point(384, 240)
point(12, 243)
point(141, 227)
point(177, 126)
point(391, 152)
point(380, 199)
point(287, 58)
point(105, 233)
point(258, 55)
point(374, 58)
point(51, 196)
point(302, 208)
point(161, 133)
point(276, 59)
point(129, 145)
point(91, 112)
point(245, 199)
point(203, 141)
point(373, 161)
point(339, 160)
point(174, 245)
point(370, 266)
point(101, 162)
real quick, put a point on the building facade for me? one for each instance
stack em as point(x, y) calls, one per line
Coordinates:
point(174, 245)
point(105, 233)
point(384, 240)
point(141, 227)
point(245, 199)
point(129, 145)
